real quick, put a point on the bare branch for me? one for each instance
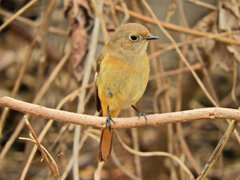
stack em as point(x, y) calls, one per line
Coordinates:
point(130, 122)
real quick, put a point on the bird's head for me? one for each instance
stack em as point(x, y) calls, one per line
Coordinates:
point(130, 40)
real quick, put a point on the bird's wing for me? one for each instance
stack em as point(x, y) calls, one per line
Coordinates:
point(98, 65)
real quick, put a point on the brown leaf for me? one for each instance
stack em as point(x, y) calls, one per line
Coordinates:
point(79, 45)
point(229, 15)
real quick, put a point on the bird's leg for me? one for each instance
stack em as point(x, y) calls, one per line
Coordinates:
point(140, 113)
point(100, 113)
point(108, 120)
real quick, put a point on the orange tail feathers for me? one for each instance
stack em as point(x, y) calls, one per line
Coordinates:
point(105, 146)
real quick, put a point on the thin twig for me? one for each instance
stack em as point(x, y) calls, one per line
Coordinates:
point(18, 13)
point(50, 122)
point(69, 97)
point(187, 64)
point(34, 24)
point(40, 94)
point(42, 34)
point(70, 163)
point(135, 142)
point(182, 140)
point(203, 4)
point(97, 173)
point(180, 53)
point(137, 159)
point(233, 91)
point(99, 14)
point(87, 72)
point(76, 138)
point(178, 28)
point(218, 150)
point(183, 143)
point(158, 153)
point(180, 44)
point(18, 83)
point(113, 155)
point(185, 61)
point(118, 164)
point(55, 171)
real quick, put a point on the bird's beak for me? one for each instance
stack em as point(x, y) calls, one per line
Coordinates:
point(152, 37)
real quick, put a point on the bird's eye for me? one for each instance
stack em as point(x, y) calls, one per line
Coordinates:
point(133, 38)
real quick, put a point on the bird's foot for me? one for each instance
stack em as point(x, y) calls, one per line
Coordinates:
point(108, 120)
point(141, 114)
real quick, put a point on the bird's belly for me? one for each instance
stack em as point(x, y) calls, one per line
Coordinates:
point(122, 87)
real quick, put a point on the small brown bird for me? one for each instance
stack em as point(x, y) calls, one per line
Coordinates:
point(122, 72)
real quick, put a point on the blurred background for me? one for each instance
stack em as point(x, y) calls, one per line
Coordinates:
point(48, 51)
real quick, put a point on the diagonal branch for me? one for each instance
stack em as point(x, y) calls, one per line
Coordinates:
point(177, 28)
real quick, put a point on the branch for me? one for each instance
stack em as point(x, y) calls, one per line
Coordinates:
point(129, 122)
point(174, 27)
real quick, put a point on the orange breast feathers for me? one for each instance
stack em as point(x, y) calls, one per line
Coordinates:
point(121, 83)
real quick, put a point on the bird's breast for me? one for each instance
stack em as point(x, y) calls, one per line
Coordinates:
point(122, 83)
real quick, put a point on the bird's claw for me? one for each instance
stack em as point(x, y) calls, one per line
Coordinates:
point(108, 122)
point(144, 115)
point(140, 113)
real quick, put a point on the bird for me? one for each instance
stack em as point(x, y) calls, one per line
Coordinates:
point(122, 72)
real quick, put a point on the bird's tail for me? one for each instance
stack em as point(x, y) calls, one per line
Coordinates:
point(106, 139)
point(105, 144)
